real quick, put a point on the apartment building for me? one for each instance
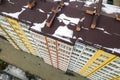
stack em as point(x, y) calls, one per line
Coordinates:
point(69, 41)
point(93, 63)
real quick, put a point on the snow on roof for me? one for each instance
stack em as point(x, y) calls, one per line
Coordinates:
point(38, 26)
point(63, 31)
point(88, 3)
point(56, 0)
point(14, 15)
point(41, 10)
point(71, 0)
point(66, 20)
point(11, 2)
point(113, 49)
point(66, 3)
point(110, 9)
point(102, 29)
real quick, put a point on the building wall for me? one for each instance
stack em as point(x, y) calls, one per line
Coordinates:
point(17, 34)
point(93, 63)
point(53, 52)
point(110, 71)
point(80, 58)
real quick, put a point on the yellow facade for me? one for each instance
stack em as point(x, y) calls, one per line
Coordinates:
point(20, 33)
point(100, 55)
point(116, 78)
point(10, 38)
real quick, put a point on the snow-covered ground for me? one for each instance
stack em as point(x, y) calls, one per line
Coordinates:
point(15, 72)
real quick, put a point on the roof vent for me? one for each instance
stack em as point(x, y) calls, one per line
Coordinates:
point(90, 11)
point(78, 28)
point(54, 11)
point(31, 4)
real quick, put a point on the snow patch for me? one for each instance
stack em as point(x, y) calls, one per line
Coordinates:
point(57, 0)
point(113, 49)
point(16, 72)
point(38, 26)
point(71, 0)
point(48, 15)
point(60, 20)
point(80, 38)
point(41, 10)
point(102, 29)
point(63, 31)
point(88, 3)
point(72, 24)
point(66, 3)
point(110, 9)
point(74, 37)
point(14, 15)
point(85, 28)
point(98, 45)
point(82, 19)
point(10, 2)
point(66, 20)
point(107, 32)
point(25, 6)
point(26, 21)
point(76, 6)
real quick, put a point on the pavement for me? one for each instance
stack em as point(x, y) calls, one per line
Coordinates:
point(32, 64)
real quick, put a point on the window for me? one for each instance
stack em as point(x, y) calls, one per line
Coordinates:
point(117, 61)
point(82, 60)
point(114, 74)
point(104, 57)
point(108, 68)
point(84, 57)
point(90, 50)
point(104, 70)
point(113, 65)
point(73, 57)
point(99, 60)
point(87, 54)
point(75, 54)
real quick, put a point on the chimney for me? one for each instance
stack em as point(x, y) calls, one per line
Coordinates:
point(97, 14)
point(54, 11)
point(78, 28)
point(31, 4)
